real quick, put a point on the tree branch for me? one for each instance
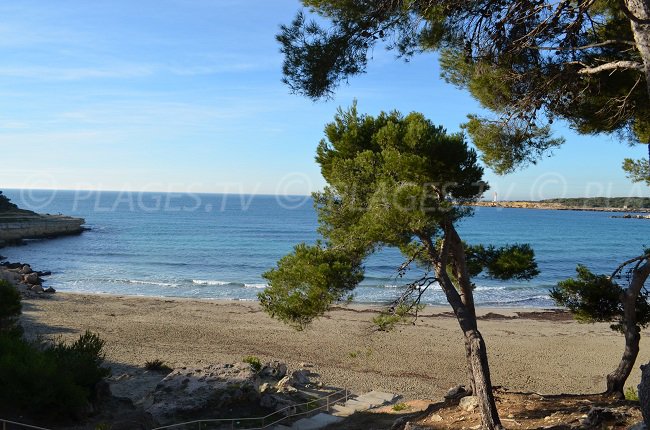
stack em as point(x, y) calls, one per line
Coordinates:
point(614, 65)
point(630, 261)
point(579, 48)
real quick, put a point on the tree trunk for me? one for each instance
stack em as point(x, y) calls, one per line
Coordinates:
point(482, 382)
point(640, 9)
point(616, 379)
point(476, 352)
point(471, 385)
point(644, 393)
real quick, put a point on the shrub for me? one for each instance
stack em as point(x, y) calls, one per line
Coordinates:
point(254, 362)
point(631, 394)
point(10, 306)
point(398, 407)
point(83, 358)
point(157, 366)
point(53, 382)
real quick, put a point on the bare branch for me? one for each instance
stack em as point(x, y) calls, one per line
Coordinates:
point(614, 65)
point(579, 48)
point(630, 261)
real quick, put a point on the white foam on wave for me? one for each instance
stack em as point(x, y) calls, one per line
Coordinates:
point(260, 286)
point(486, 288)
point(209, 282)
point(142, 282)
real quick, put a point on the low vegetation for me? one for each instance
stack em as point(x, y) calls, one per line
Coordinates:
point(157, 365)
point(52, 381)
point(398, 407)
point(5, 204)
point(631, 394)
point(604, 202)
point(254, 362)
point(10, 308)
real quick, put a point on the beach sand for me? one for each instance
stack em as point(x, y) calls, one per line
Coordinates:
point(546, 353)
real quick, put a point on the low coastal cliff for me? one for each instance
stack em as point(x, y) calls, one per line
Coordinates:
point(555, 206)
point(14, 229)
point(18, 224)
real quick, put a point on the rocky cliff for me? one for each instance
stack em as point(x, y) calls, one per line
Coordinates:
point(18, 224)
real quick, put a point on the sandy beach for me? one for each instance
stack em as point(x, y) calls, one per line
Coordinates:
point(546, 353)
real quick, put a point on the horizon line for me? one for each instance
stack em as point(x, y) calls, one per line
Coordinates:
point(273, 195)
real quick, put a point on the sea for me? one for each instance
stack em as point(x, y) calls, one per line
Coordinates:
point(217, 246)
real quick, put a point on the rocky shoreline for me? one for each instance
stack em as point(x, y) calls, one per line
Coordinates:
point(630, 216)
point(28, 281)
point(554, 206)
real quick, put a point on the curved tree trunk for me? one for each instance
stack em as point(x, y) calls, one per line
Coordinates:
point(476, 352)
point(616, 379)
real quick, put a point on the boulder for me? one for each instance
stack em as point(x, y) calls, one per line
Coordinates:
point(456, 393)
point(36, 289)
point(300, 377)
point(278, 403)
point(468, 403)
point(274, 370)
point(32, 279)
point(597, 416)
point(26, 270)
point(190, 392)
point(285, 385)
point(50, 290)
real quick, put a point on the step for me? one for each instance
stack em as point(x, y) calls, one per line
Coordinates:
point(377, 398)
point(341, 411)
point(316, 422)
point(358, 405)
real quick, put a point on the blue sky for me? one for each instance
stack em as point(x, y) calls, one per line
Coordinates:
point(185, 95)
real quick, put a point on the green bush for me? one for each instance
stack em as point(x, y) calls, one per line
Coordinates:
point(10, 306)
point(83, 359)
point(254, 362)
point(631, 394)
point(53, 382)
point(157, 365)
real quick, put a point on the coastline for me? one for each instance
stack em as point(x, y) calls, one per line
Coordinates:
point(522, 204)
point(18, 226)
point(530, 350)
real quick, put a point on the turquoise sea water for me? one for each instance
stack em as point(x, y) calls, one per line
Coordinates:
point(217, 246)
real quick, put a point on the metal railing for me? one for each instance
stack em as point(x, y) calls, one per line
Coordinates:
point(266, 421)
point(11, 425)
